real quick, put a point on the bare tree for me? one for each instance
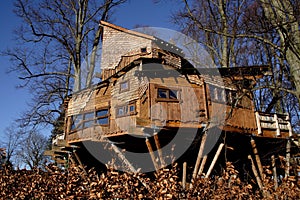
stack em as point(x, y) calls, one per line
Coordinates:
point(12, 140)
point(31, 151)
point(245, 33)
point(53, 44)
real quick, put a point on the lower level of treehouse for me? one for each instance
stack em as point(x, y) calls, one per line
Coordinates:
point(157, 149)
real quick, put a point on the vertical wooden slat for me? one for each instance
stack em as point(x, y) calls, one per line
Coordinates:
point(277, 125)
point(258, 123)
point(289, 125)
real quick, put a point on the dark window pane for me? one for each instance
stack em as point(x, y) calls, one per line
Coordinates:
point(173, 94)
point(103, 112)
point(102, 121)
point(132, 108)
point(162, 93)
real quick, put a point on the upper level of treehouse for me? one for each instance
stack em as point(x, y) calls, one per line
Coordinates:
point(146, 83)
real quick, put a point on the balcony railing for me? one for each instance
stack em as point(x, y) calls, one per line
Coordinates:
point(271, 121)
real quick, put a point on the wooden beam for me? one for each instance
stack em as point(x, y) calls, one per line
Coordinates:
point(274, 172)
point(123, 158)
point(259, 182)
point(202, 165)
point(184, 175)
point(201, 149)
point(157, 143)
point(257, 158)
point(214, 160)
point(151, 154)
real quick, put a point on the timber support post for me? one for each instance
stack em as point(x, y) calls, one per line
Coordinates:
point(258, 180)
point(157, 144)
point(184, 175)
point(200, 153)
point(257, 158)
point(214, 160)
point(288, 157)
point(202, 165)
point(274, 172)
point(151, 154)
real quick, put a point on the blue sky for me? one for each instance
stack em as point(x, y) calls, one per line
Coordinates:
point(14, 101)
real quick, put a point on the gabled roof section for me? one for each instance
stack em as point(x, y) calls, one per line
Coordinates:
point(121, 29)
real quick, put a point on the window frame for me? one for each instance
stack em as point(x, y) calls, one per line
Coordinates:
point(168, 97)
point(121, 90)
point(126, 109)
point(84, 120)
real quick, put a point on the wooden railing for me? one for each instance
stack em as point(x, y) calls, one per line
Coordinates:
point(272, 121)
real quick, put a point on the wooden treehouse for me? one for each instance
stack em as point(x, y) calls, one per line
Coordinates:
point(149, 92)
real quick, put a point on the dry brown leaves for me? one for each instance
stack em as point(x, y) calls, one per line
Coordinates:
point(75, 183)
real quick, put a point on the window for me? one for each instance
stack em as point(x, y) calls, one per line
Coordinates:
point(124, 86)
point(144, 50)
point(125, 110)
point(167, 94)
point(76, 122)
point(217, 93)
point(162, 93)
point(89, 119)
point(102, 117)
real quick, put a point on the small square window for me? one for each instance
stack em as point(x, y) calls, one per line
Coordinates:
point(144, 50)
point(124, 86)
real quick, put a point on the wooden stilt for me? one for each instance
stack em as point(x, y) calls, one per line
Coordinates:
point(123, 158)
point(151, 154)
point(274, 172)
point(199, 155)
point(157, 143)
point(202, 165)
point(79, 161)
point(184, 175)
point(128, 164)
point(257, 158)
point(259, 182)
point(288, 157)
point(214, 160)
